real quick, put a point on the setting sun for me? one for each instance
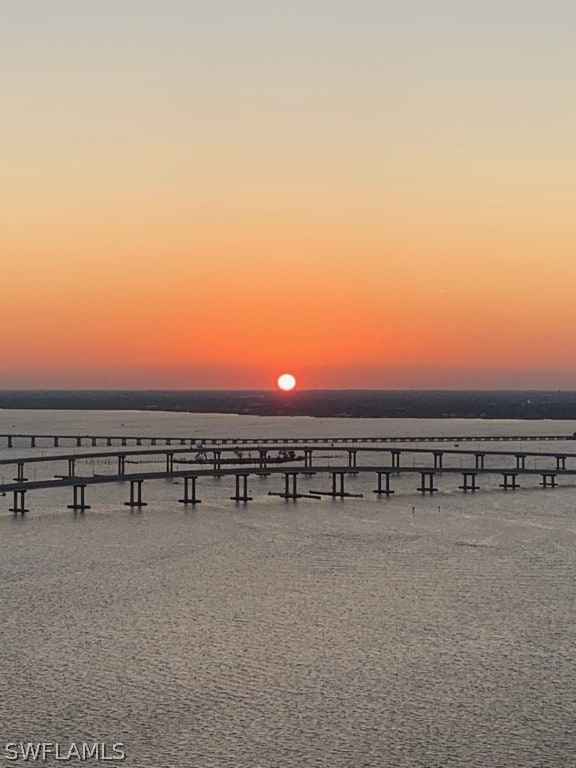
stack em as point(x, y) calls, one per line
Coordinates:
point(286, 382)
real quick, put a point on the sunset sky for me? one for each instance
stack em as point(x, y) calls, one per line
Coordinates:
point(367, 193)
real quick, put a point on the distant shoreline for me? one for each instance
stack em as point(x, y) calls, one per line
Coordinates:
point(413, 404)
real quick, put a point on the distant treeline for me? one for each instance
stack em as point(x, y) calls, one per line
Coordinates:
point(321, 403)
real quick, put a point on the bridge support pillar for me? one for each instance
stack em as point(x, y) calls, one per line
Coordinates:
point(71, 467)
point(79, 442)
point(438, 457)
point(108, 441)
point(510, 481)
point(135, 494)
point(479, 460)
point(190, 495)
point(94, 442)
point(469, 481)
point(548, 480)
point(78, 504)
point(241, 496)
point(337, 480)
point(19, 506)
point(217, 461)
point(121, 464)
point(10, 441)
point(395, 455)
point(291, 478)
point(427, 485)
point(386, 490)
point(169, 462)
point(262, 458)
point(308, 458)
point(33, 441)
point(520, 461)
point(56, 442)
point(560, 462)
point(123, 441)
point(352, 457)
point(20, 473)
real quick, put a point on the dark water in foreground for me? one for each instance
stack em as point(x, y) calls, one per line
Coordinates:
point(347, 633)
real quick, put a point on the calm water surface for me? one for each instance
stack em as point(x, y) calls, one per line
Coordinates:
point(323, 633)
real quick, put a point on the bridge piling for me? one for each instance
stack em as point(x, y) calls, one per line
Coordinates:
point(135, 494)
point(293, 493)
point(190, 496)
point(244, 495)
point(548, 480)
point(20, 473)
point(438, 458)
point(466, 485)
point(510, 481)
point(427, 485)
point(337, 492)
point(19, 506)
point(78, 504)
point(387, 490)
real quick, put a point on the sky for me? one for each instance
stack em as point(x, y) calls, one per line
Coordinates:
point(206, 193)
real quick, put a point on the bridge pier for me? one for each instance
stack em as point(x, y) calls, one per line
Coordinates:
point(108, 441)
point(10, 445)
point(71, 467)
point(78, 504)
point(520, 461)
point(79, 442)
point(438, 458)
point(395, 455)
point(122, 464)
point(169, 461)
point(33, 441)
point(123, 441)
point(19, 506)
point(56, 442)
point(217, 460)
point(427, 483)
point(190, 496)
point(548, 480)
point(387, 490)
point(340, 493)
point(292, 494)
point(20, 473)
point(135, 494)
point(262, 458)
point(308, 458)
point(94, 441)
point(479, 460)
point(466, 485)
point(510, 479)
point(560, 462)
point(244, 495)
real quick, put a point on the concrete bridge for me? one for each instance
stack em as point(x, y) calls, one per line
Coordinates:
point(302, 454)
point(55, 440)
point(383, 475)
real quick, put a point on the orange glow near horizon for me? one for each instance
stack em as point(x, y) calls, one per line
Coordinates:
point(162, 231)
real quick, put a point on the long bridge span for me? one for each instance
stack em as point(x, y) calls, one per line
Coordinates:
point(36, 440)
point(296, 458)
